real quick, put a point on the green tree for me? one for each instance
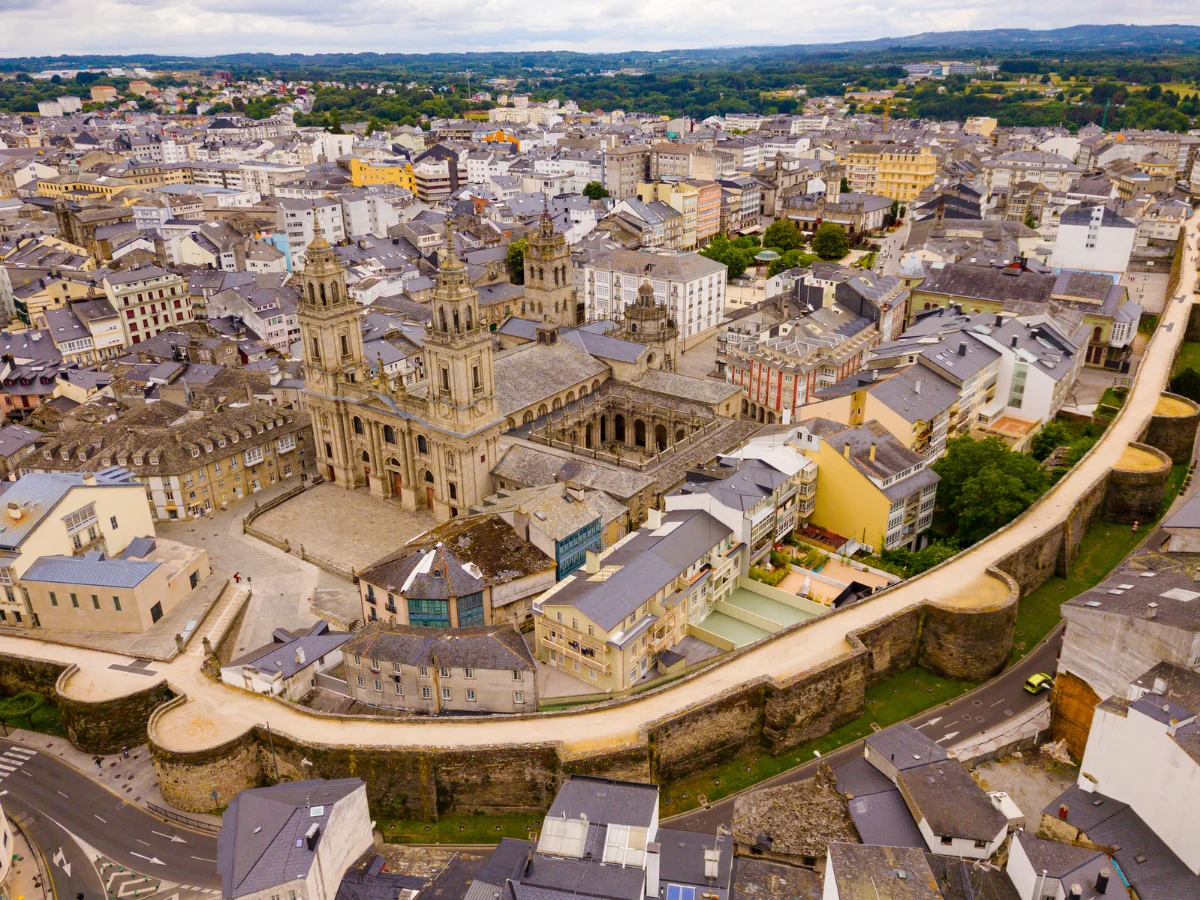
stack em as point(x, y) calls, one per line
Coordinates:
point(783, 236)
point(845, 188)
point(830, 241)
point(908, 563)
point(1030, 221)
point(736, 259)
point(335, 123)
point(790, 260)
point(1187, 384)
point(984, 485)
point(594, 190)
point(893, 213)
point(373, 126)
point(1049, 439)
point(514, 261)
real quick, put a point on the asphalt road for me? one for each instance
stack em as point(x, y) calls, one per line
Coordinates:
point(64, 807)
point(984, 708)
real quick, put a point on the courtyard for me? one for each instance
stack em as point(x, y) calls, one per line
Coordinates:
point(350, 529)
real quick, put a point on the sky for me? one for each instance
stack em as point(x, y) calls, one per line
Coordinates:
point(205, 27)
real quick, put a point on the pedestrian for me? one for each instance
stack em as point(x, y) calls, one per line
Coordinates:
point(1135, 525)
point(125, 753)
point(237, 577)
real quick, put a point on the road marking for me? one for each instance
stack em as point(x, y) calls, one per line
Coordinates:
point(153, 859)
point(99, 818)
point(202, 859)
point(930, 722)
point(947, 737)
point(60, 860)
point(23, 772)
point(998, 702)
point(174, 839)
point(60, 792)
point(8, 768)
point(140, 841)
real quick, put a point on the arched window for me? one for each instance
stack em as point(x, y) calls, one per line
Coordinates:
point(389, 434)
point(316, 347)
point(527, 418)
point(312, 293)
point(583, 390)
point(542, 410)
point(557, 404)
point(333, 289)
point(323, 301)
point(442, 312)
point(457, 326)
point(555, 270)
point(428, 477)
point(570, 396)
point(422, 444)
point(358, 426)
point(366, 456)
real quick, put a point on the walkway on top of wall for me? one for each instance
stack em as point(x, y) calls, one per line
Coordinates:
point(216, 713)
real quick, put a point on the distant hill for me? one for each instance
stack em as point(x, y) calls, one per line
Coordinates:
point(998, 41)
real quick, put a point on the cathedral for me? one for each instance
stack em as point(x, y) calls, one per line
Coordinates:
point(433, 446)
point(548, 287)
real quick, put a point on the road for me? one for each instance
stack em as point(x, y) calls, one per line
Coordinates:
point(983, 708)
point(77, 822)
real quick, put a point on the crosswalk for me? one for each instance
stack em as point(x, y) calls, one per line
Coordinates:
point(13, 758)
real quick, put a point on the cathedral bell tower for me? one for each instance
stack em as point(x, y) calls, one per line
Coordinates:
point(648, 322)
point(331, 334)
point(548, 274)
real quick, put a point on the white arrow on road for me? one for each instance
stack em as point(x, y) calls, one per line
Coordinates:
point(153, 859)
point(173, 838)
point(930, 722)
point(947, 737)
point(60, 860)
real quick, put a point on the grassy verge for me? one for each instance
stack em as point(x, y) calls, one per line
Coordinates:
point(1189, 356)
point(1100, 551)
point(31, 711)
point(888, 702)
point(474, 829)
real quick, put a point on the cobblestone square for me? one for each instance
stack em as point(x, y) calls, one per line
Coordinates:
point(351, 529)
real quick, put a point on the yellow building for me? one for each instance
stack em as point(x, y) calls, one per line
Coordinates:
point(100, 185)
point(862, 168)
point(684, 198)
point(905, 171)
point(607, 622)
point(395, 171)
point(870, 487)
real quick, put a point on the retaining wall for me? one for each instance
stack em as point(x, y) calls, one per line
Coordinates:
point(108, 726)
point(1175, 435)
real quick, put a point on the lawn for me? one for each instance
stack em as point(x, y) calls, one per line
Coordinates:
point(474, 829)
point(888, 702)
point(1189, 356)
point(1100, 551)
point(30, 711)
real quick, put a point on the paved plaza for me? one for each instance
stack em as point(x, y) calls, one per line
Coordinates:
point(351, 529)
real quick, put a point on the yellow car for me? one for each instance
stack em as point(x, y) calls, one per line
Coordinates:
point(1035, 684)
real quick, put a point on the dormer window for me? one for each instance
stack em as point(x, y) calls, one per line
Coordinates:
point(195, 452)
point(221, 442)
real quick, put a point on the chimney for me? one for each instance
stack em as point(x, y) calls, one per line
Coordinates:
point(1151, 610)
point(1102, 881)
point(1160, 685)
point(652, 868)
point(872, 456)
point(846, 450)
point(311, 836)
point(591, 564)
point(89, 478)
point(1062, 811)
point(917, 386)
point(1076, 892)
point(14, 511)
point(1014, 340)
point(962, 348)
point(654, 518)
point(300, 658)
point(999, 320)
point(1087, 783)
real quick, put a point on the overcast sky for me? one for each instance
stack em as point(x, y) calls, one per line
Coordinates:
point(203, 27)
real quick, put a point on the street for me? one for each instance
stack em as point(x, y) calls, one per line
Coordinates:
point(981, 709)
point(96, 843)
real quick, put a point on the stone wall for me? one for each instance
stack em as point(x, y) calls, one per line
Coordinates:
point(969, 644)
point(1175, 435)
point(20, 673)
point(1135, 495)
point(891, 644)
point(108, 726)
point(816, 702)
point(708, 733)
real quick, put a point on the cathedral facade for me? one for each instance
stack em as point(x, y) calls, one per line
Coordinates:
point(433, 446)
point(548, 285)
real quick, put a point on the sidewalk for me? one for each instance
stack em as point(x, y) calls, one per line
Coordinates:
point(133, 779)
point(27, 878)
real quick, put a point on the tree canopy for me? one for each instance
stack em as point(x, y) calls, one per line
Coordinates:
point(736, 258)
point(514, 261)
point(594, 190)
point(783, 236)
point(985, 485)
point(830, 242)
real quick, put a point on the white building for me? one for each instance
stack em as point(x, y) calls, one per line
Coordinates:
point(692, 287)
point(372, 210)
point(148, 300)
point(297, 218)
point(1007, 170)
point(1093, 239)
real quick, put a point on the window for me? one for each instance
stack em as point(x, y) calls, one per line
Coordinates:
point(378, 685)
point(426, 693)
point(361, 683)
point(947, 841)
point(470, 695)
point(518, 696)
point(112, 520)
point(443, 672)
point(75, 601)
point(399, 688)
point(430, 613)
point(423, 671)
point(446, 693)
point(95, 601)
point(253, 456)
point(286, 443)
point(516, 674)
point(81, 518)
point(117, 603)
point(53, 599)
point(468, 672)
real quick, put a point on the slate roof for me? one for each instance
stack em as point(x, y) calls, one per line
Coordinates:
point(761, 879)
point(256, 847)
point(606, 801)
point(280, 654)
point(1128, 593)
point(743, 486)
point(891, 458)
point(15, 438)
point(534, 372)
point(480, 647)
point(872, 873)
point(876, 806)
point(700, 390)
point(527, 465)
point(1070, 864)
point(431, 573)
point(648, 561)
point(93, 568)
point(968, 879)
point(952, 802)
point(1159, 875)
point(905, 747)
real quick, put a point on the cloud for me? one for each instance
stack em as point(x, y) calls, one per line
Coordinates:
point(202, 27)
